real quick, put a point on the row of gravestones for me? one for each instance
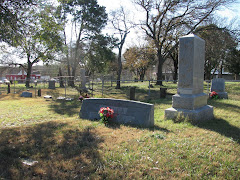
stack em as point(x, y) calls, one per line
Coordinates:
point(190, 101)
point(83, 80)
point(218, 85)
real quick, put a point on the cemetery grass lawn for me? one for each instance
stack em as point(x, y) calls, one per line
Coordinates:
point(63, 146)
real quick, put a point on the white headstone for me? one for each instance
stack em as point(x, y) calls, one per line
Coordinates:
point(190, 99)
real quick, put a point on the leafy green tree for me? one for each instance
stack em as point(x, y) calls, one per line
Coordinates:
point(233, 61)
point(10, 17)
point(99, 54)
point(219, 42)
point(39, 38)
point(88, 19)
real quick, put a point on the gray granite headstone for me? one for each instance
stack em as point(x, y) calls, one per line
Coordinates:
point(125, 111)
point(218, 85)
point(51, 84)
point(190, 99)
point(26, 94)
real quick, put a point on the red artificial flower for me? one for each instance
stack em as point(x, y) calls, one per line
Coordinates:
point(105, 114)
point(213, 93)
point(101, 110)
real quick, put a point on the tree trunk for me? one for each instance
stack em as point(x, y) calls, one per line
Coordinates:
point(142, 74)
point(119, 71)
point(60, 78)
point(71, 83)
point(68, 70)
point(212, 75)
point(141, 77)
point(29, 71)
point(221, 71)
point(207, 74)
point(160, 65)
point(175, 73)
point(76, 56)
point(207, 70)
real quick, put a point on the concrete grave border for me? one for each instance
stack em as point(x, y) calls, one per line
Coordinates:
point(125, 111)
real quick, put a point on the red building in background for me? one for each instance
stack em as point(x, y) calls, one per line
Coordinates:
point(22, 75)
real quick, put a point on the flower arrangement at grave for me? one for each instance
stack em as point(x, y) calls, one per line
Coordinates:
point(82, 97)
point(214, 95)
point(105, 114)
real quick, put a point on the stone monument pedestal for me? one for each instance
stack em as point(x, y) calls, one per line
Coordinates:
point(192, 106)
point(190, 100)
point(204, 113)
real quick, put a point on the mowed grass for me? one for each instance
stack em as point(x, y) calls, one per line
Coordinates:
point(63, 146)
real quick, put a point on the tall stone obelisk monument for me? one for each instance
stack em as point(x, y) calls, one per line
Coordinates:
point(190, 99)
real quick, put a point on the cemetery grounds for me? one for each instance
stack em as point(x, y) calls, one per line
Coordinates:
point(46, 139)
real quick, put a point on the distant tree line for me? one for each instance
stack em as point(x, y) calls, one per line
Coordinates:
point(69, 33)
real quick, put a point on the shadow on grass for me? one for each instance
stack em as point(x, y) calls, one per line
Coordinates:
point(113, 125)
point(222, 127)
point(61, 152)
point(154, 128)
point(222, 104)
point(69, 108)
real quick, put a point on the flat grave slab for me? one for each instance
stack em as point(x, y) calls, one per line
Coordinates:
point(47, 97)
point(60, 98)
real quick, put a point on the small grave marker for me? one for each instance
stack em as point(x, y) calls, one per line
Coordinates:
point(60, 98)
point(218, 85)
point(26, 94)
point(47, 97)
point(51, 84)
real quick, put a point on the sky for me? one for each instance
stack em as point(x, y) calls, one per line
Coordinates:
point(227, 13)
point(134, 37)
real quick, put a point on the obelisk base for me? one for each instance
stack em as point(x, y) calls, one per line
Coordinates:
point(195, 116)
